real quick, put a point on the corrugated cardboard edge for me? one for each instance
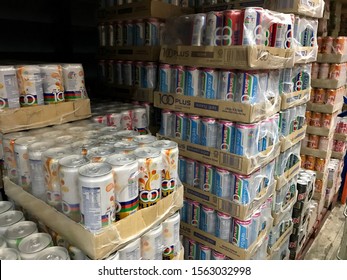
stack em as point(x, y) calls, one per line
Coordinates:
point(288, 175)
point(321, 131)
point(292, 139)
point(338, 155)
point(304, 97)
point(324, 108)
point(331, 58)
point(97, 246)
point(340, 136)
point(316, 152)
point(284, 237)
point(327, 83)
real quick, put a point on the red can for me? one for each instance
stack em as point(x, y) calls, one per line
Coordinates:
point(310, 162)
point(100, 119)
point(327, 44)
point(339, 146)
point(303, 160)
point(127, 120)
point(339, 45)
point(326, 120)
point(313, 141)
point(312, 95)
point(318, 186)
point(319, 96)
point(335, 71)
point(330, 96)
point(320, 164)
point(232, 27)
point(316, 119)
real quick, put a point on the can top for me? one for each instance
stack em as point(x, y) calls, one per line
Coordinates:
point(10, 217)
point(164, 144)
point(83, 143)
point(64, 139)
point(14, 135)
point(25, 141)
point(73, 65)
point(139, 108)
point(157, 230)
point(40, 146)
point(217, 254)
point(120, 159)
point(9, 254)
point(174, 218)
point(109, 130)
point(208, 119)
point(204, 247)
point(20, 230)
point(56, 153)
point(131, 246)
point(73, 161)
point(34, 243)
point(106, 138)
point(223, 215)
point(147, 152)
point(126, 145)
point(100, 151)
point(95, 169)
point(302, 182)
point(127, 133)
point(53, 66)
point(205, 208)
point(144, 139)
point(55, 253)
point(52, 134)
point(5, 206)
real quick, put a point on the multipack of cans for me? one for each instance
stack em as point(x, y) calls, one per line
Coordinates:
point(142, 74)
point(318, 119)
point(292, 119)
point(278, 230)
point(313, 163)
point(312, 141)
point(250, 87)
point(237, 138)
point(326, 96)
point(339, 146)
point(139, 32)
point(241, 189)
point(330, 71)
point(305, 31)
point(295, 79)
point(341, 125)
point(331, 45)
point(288, 159)
point(241, 233)
point(29, 85)
point(107, 4)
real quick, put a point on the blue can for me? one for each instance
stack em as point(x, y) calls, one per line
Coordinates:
point(223, 182)
point(139, 32)
point(251, 86)
point(208, 137)
point(208, 83)
point(241, 191)
point(128, 33)
point(138, 73)
point(164, 78)
point(204, 252)
point(192, 250)
point(226, 136)
point(207, 220)
point(206, 175)
point(241, 233)
point(192, 172)
point(180, 125)
point(192, 81)
point(152, 32)
point(226, 85)
point(246, 138)
point(223, 226)
point(178, 79)
point(182, 169)
point(149, 75)
point(193, 129)
point(183, 211)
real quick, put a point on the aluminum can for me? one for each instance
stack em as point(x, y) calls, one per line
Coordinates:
point(223, 182)
point(181, 169)
point(128, 33)
point(323, 71)
point(65, 140)
point(319, 96)
point(144, 140)
point(199, 23)
point(9, 254)
point(125, 147)
point(152, 32)
point(118, 26)
point(241, 192)
point(180, 125)
point(192, 172)
point(336, 71)
point(327, 45)
point(32, 245)
point(149, 75)
point(177, 79)
point(245, 135)
point(140, 122)
point(118, 79)
point(192, 81)
point(310, 162)
point(208, 83)
point(55, 253)
point(315, 70)
point(152, 244)
point(171, 236)
point(100, 153)
point(9, 92)
point(330, 96)
point(241, 233)
point(193, 213)
point(324, 143)
point(132, 251)
point(111, 35)
point(251, 21)
point(206, 177)
point(226, 136)
point(74, 83)
point(316, 119)
point(193, 129)
point(127, 119)
point(165, 74)
point(231, 27)
point(313, 141)
point(139, 26)
point(208, 137)
point(10, 218)
point(76, 254)
point(320, 164)
point(216, 256)
point(127, 73)
point(208, 220)
point(6, 206)
point(223, 226)
point(53, 84)
point(227, 85)
point(204, 252)
point(192, 250)
point(214, 29)
point(339, 45)
point(102, 34)
point(326, 120)
point(138, 68)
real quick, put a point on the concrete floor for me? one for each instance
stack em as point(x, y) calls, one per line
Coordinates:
point(327, 243)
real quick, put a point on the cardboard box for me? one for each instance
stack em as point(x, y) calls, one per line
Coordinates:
point(314, 8)
point(235, 4)
point(305, 54)
point(328, 83)
point(296, 98)
point(278, 217)
point(226, 205)
point(133, 93)
point(219, 158)
point(24, 118)
point(141, 53)
point(101, 245)
point(324, 108)
point(222, 246)
point(288, 175)
point(316, 152)
point(338, 155)
point(293, 138)
point(331, 58)
point(340, 136)
point(278, 244)
point(233, 57)
point(321, 131)
point(221, 109)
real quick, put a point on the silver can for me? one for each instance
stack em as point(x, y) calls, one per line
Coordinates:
point(171, 238)
point(126, 135)
point(9, 92)
point(10, 218)
point(64, 140)
point(125, 147)
point(9, 254)
point(132, 251)
point(82, 147)
point(140, 122)
point(32, 245)
point(152, 244)
point(55, 253)
point(15, 233)
point(100, 153)
point(145, 140)
point(6, 206)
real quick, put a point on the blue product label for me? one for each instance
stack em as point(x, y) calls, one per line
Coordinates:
point(139, 35)
point(182, 170)
point(210, 81)
point(239, 150)
point(217, 188)
point(194, 132)
point(203, 255)
point(163, 81)
point(203, 221)
point(203, 140)
point(189, 90)
point(240, 235)
point(154, 35)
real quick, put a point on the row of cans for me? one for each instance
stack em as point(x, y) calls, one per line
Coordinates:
point(238, 86)
point(331, 45)
point(237, 138)
point(334, 168)
point(295, 79)
point(28, 85)
point(312, 141)
point(331, 71)
point(320, 119)
point(242, 189)
point(339, 146)
point(341, 125)
point(279, 229)
point(288, 159)
point(241, 233)
point(106, 4)
point(139, 32)
point(326, 96)
point(285, 196)
point(313, 163)
point(305, 32)
point(129, 73)
point(292, 119)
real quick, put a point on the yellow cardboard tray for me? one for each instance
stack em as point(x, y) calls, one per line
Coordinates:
point(293, 138)
point(295, 98)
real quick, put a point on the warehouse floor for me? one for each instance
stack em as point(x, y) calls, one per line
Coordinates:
point(327, 243)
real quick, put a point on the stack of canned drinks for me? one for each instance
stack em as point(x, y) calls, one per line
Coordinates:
point(241, 233)
point(106, 4)
point(331, 71)
point(313, 163)
point(288, 159)
point(237, 138)
point(341, 125)
point(250, 87)
point(330, 45)
point(29, 85)
point(326, 96)
point(80, 167)
point(292, 119)
point(318, 119)
point(312, 141)
point(295, 79)
point(129, 73)
point(242, 189)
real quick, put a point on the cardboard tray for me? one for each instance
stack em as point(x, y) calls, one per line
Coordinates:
point(288, 175)
point(233, 57)
point(321, 131)
point(316, 152)
point(284, 237)
point(24, 118)
point(338, 155)
point(142, 53)
point(222, 246)
point(324, 108)
point(278, 217)
point(295, 98)
point(131, 93)
point(293, 138)
point(226, 205)
point(305, 54)
point(331, 58)
point(327, 83)
point(101, 245)
point(222, 109)
point(340, 136)
point(314, 8)
point(231, 162)
point(235, 4)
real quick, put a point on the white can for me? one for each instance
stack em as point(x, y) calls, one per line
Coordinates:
point(150, 167)
point(9, 92)
point(15, 233)
point(74, 84)
point(140, 122)
point(96, 186)
point(53, 85)
point(145, 140)
point(64, 140)
point(132, 251)
point(171, 236)
point(100, 153)
point(126, 188)
point(9, 254)
point(169, 152)
point(50, 161)
point(22, 160)
point(37, 177)
point(6, 206)
point(152, 244)
point(10, 218)
point(125, 147)
point(223, 226)
point(30, 85)
point(68, 175)
point(55, 253)
point(30, 246)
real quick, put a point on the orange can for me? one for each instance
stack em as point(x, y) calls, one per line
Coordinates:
point(316, 119)
point(327, 44)
point(310, 162)
point(308, 117)
point(330, 96)
point(303, 160)
point(312, 94)
point(339, 45)
point(318, 186)
point(326, 120)
point(335, 71)
point(313, 141)
point(319, 96)
point(315, 70)
point(319, 165)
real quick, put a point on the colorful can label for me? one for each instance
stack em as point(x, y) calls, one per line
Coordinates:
point(182, 169)
point(193, 213)
point(193, 129)
point(208, 137)
point(227, 85)
point(152, 32)
point(226, 136)
point(232, 27)
point(180, 125)
point(177, 79)
point(223, 182)
point(208, 83)
point(241, 233)
point(204, 252)
point(251, 27)
point(206, 175)
point(139, 31)
point(241, 193)
point(165, 78)
point(208, 220)
point(192, 81)
point(214, 29)
point(246, 135)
